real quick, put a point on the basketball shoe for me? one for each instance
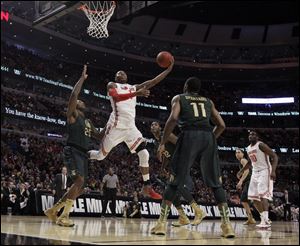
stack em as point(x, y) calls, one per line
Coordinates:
point(148, 191)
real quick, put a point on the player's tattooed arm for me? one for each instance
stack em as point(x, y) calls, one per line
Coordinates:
point(273, 158)
point(170, 125)
point(153, 82)
point(217, 120)
point(74, 95)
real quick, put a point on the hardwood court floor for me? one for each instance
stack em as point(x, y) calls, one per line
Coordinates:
point(120, 231)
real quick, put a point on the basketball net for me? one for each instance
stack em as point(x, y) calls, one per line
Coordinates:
point(99, 14)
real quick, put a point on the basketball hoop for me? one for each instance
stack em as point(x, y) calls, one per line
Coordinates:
point(99, 14)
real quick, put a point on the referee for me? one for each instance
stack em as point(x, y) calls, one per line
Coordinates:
point(110, 184)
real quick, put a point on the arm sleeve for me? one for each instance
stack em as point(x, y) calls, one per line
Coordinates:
point(120, 97)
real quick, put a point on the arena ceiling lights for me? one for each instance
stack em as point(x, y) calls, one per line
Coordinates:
point(268, 100)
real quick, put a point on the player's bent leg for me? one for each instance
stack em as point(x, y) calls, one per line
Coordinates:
point(143, 155)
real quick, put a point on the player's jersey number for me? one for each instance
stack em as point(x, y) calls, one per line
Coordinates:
point(196, 107)
point(253, 158)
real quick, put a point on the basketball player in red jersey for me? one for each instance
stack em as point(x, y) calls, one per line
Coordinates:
point(121, 124)
point(264, 163)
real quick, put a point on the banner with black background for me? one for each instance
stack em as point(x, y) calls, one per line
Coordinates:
point(91, 205)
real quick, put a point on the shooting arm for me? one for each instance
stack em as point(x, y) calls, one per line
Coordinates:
point(153, 82)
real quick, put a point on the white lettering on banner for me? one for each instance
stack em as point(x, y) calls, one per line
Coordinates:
point(19, 113)
point(207, 209)
point(216, 211)
point(154, 208)
point(30, 115)
point(61, 122)
point(4, 69)
point(17, 72)
point(295, 150)
point(80, 208)
point(108, 211)
point(188, 210)
point(92, 205)
point(174, 211)
point(144, 208)
point(34, 116)
point(264, 114)
point(240, 212)
point(119, 206)
point(231, 212)
point(294, 113)
point(89, 205)
point(47, 202)
point(9, 111)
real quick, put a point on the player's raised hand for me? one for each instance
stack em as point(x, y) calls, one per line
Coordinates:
point(143, 92)
point(84, 75)
point(160, 151)
point(172, 64)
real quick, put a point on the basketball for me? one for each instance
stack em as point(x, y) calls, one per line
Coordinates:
point(164, 59)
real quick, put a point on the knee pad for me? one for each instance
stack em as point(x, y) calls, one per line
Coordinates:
point(96, 155)
point(143, 158)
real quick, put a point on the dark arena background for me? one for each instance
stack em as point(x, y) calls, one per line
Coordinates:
point(246, 54)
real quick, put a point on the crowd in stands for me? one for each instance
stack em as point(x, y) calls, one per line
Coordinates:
point(29, 163)
point(224, 98)
point(144, 46)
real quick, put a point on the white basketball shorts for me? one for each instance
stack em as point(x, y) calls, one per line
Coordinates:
point(113, 136)
point(261, 185)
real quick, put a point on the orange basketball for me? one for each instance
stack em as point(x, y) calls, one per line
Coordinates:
point(164, 59)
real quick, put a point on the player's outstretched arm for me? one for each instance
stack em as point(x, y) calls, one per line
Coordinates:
point(75, 92)
point(153, 82)
point(217, 120)
point(273, 158)
point(170, 125)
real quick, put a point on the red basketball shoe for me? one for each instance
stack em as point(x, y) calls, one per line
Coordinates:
point(148, 191)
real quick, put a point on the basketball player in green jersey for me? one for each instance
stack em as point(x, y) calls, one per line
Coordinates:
point(188, 186)
point(80, 131)
point(193, 114)
point(243, 186)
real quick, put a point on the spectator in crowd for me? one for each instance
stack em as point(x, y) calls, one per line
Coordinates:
point(110, 185)
point(132, 209)
point(287, 206)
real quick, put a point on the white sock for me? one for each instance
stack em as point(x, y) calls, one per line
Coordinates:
point(262, 216)
point(146, 177)
point(266, 215)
